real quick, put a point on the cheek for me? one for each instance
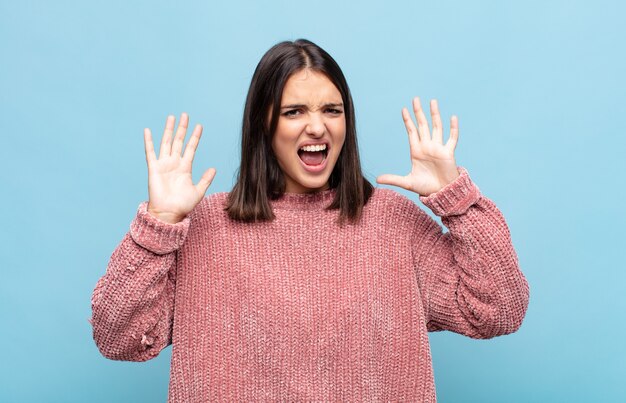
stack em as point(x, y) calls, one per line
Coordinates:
point(286, 135)
point(340, 133)
point(282, 146)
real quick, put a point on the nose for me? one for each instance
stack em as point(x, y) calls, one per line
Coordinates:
point(315, 126)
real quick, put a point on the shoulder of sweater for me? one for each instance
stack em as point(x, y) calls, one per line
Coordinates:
point(216, 199)
point(403, 213)
point(389, 197)
point(211, 206)
point(396, 203)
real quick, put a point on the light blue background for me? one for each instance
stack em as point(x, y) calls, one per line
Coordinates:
point(539, 90)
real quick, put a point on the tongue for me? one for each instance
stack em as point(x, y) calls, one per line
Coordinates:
point(312, 158)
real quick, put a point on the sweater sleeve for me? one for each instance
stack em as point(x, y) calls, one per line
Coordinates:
point(469, 277)
point(133, 302)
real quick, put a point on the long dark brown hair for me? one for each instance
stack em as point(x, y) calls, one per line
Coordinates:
point(260, 178)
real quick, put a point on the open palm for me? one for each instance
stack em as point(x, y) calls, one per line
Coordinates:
point(171, 190)
point(432, 162)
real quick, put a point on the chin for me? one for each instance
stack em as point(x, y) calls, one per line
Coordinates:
point(313, 186)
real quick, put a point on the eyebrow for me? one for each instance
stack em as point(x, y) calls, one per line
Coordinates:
point(332, 105)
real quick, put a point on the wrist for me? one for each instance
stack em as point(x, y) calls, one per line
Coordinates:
point(449, 177)
point(166, 217)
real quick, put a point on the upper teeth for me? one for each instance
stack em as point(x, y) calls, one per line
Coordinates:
point(320, 147)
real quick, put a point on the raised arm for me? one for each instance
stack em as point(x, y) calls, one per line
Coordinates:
point(132, 303)
point(469, 277)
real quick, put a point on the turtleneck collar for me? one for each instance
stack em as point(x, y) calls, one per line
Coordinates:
point(304, 201)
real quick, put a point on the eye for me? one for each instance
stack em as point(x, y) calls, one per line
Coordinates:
point(292, 112)
point(334, 111)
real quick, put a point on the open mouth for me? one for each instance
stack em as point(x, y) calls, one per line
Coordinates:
point(313, 154)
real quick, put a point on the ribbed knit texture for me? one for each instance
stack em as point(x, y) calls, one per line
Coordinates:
point(302, 309)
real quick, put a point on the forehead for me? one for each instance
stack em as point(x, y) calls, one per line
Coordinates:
point(309, 87)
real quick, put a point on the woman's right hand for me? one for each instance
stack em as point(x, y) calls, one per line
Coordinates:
point(172, 194)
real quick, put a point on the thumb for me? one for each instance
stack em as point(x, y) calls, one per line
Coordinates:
point(394, 180)
point(205, 181)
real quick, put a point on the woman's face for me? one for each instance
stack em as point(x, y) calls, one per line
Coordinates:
point(310, 132)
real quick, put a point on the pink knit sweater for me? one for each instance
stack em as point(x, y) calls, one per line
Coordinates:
point(303, 309)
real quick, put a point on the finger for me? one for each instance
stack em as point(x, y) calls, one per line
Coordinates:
point(394, 180)
point(411, 130)
point(192, 145)
point(205, 181)
point(149, 147)
point(454, 132)
point(436, 119)
point(422, 122)
point(181, 132)
point(167, 136)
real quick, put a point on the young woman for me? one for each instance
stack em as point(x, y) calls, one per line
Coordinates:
point(305, 282)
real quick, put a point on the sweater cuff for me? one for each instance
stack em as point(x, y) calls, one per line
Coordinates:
point(454, 198)
point(155, 235)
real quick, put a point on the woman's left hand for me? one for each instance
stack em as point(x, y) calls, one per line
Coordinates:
point(432, 162)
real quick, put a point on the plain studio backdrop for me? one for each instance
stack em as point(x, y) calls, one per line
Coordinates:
point(539, 90)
